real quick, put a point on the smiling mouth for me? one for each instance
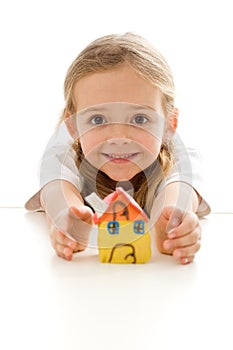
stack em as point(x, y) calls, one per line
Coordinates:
point(120, 157)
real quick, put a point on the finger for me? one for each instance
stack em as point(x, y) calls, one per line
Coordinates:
point(188, 224)
point(82, 222)
point(175, 217)
point(183, 241)
point(66, 241)
point(65, 247)
point(60, 242)
point(58, 236)
point(187, 260)
point(187, 251)
point(79, 248)
point(83, 213)
point(63, 251)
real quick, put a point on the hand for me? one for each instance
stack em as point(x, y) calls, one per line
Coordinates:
point(71, 230)
point(178, 233)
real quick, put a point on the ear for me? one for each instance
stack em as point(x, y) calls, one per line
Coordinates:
point(172, 122)
point(71, 125)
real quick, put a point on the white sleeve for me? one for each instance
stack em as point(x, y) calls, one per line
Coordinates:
point(58, 160)
point(57, 163)
point(188, 168)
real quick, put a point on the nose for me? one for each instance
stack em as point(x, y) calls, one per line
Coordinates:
point(119, 135)
point(118, 141)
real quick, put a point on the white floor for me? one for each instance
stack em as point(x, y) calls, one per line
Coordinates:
point(49, 303)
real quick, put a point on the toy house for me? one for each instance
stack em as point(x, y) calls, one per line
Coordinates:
point(123, 235)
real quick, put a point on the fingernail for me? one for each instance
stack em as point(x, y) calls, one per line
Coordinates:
point(185, 260)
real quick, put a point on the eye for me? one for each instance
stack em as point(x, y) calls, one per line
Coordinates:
point(98, 119)
point(140, 119)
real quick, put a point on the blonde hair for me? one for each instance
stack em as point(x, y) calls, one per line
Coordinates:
point(106, 53)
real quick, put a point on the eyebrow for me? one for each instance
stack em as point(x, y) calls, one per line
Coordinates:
point(93, 109)
point(139, 107)
point(105, 109)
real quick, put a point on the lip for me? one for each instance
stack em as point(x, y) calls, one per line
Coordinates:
point(120, 158)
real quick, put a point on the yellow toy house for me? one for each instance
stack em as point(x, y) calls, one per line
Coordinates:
point(123, 235)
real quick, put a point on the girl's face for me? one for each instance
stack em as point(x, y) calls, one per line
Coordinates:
point(120, 147)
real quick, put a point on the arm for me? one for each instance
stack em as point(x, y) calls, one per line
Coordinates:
point(191, 198)
point(188, 168)
point(58, 195)
point(57, 163)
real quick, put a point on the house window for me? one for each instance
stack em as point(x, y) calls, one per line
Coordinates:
point(113, 227)
point(138, 227)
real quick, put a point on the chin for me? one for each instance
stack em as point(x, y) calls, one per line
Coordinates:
point(121, 176)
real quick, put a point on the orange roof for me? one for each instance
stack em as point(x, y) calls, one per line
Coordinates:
point(134, 210)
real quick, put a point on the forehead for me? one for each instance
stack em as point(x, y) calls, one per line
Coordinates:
point(121, 84)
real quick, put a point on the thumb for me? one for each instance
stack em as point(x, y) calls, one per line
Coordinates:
point(175, 218)
point(83, 213)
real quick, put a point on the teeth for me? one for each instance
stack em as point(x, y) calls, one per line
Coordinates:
point(124, 155)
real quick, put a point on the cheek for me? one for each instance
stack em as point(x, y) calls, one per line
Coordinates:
point(150, 143)
point(89, 142)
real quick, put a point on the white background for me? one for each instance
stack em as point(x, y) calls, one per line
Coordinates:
point(39, 40)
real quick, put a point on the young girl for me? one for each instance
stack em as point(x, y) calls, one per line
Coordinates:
point(120, 113)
